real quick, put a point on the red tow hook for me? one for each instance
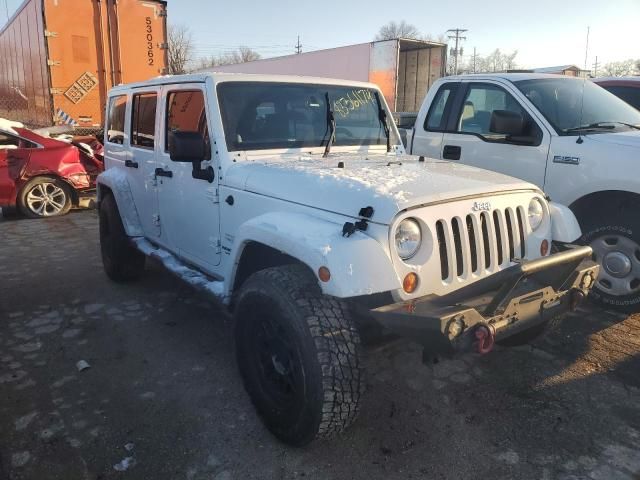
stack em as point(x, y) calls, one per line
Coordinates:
point(486, 339)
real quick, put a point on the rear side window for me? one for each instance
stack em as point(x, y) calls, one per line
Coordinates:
point(436, 120)
point(186, 113)
point(631, 95)
point(117, 110)
point(143, 119)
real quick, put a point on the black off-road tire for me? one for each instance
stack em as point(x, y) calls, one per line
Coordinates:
point(38, 185)
point(603, 224)
point(299, 355)
point(122, 261)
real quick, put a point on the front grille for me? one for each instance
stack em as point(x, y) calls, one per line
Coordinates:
point(480, 241)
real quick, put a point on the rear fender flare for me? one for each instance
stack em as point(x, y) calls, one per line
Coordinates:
point(117, 183)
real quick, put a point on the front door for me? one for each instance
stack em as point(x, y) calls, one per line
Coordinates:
point(189, 209)
point(470, 138)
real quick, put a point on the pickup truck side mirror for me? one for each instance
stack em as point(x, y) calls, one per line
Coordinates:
point(507, 123)
point(190, 147)
point(186, 147)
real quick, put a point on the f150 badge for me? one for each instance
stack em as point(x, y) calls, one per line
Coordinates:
point(481, 206)
point(566, 160)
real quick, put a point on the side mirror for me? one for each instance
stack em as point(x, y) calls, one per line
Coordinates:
point(188, 147)
point(507, 123)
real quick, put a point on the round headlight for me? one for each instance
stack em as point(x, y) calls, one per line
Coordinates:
point(408, 238)
point(536, 213)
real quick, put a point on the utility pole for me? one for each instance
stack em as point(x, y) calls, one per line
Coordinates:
point(595, 67)
point(298, 46)
point(474, 59)
point(456, 51)
point(6, 6)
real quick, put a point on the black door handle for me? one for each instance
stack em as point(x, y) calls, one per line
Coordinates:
point(451, 152)
point(163, 173)
point(130, 164)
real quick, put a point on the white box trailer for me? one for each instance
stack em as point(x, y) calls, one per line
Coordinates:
point(403, 69)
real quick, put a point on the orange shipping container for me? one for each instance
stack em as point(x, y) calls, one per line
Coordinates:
point(58, 58)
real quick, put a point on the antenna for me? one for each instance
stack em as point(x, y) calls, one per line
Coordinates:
point(584, 82)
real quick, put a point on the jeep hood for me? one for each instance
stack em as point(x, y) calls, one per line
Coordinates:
point(388, 183)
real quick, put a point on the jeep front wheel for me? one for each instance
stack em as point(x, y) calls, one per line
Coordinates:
point(299, 355)
point(121, 260)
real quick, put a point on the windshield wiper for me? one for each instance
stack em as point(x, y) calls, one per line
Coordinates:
point(331, 127)
point(601, 126)
point(382, 116)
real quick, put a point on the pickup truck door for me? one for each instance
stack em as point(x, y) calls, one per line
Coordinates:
point(471, 136)
point(189, 207)
point(428, 130)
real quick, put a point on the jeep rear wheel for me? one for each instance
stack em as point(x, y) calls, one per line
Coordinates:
point(299, 355)
point(615, 240)
point(121, 260)
point(45, 197)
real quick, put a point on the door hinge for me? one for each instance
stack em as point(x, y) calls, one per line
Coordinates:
point(49, 33)
point(56, 91)
point(156, 220)
point(212, 194)
point(53, 63)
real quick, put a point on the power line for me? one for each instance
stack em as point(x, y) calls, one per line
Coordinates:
point(456, 51)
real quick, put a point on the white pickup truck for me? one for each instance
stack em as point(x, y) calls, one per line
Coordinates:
point(573, 139)
point(291, 200)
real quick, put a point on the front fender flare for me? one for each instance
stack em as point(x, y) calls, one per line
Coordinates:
point(117, 181)
point(564, 225)
point(359, 265)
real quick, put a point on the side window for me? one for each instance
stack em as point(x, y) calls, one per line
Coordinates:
point(436, 120)
point(630, 95)
point(186, 112)
point(480, 103)
point(117, 110)
point(143, 119)
point(10, 142)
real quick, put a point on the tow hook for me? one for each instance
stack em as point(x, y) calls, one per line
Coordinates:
point(485, 339)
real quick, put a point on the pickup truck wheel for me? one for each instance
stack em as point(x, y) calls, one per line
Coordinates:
point(299, 355)
point(45, 197)
point(615, 241)
point(121, 261)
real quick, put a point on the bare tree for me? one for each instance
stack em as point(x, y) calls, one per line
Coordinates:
point(180, 52)
point(393, 30)
point(241, 55)
point(496, 61)
point(620, 69)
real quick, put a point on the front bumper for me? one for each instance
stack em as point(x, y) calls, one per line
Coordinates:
point(512, 301)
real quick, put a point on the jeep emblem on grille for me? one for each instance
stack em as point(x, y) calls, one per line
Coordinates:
point(480, 206)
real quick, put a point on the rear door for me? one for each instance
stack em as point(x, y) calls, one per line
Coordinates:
point(189, 208)
point(470, 139)
point(14, 155)
point(130, 146)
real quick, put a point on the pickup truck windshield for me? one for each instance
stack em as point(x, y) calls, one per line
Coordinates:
point(261, 115)
point(560, 101)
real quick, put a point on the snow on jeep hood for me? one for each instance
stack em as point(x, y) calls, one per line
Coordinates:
point(388, 183)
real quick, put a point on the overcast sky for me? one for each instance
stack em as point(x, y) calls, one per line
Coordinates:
point(545, 32)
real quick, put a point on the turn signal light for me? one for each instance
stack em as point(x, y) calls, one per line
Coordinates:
point(324, 274)
point(410, 282)
point(544, 247)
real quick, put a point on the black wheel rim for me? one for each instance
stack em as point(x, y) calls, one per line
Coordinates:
point(277, 362)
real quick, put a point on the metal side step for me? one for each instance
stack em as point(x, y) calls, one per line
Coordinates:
point(176, 266)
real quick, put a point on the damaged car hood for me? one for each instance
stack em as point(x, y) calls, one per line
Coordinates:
point(388, 183)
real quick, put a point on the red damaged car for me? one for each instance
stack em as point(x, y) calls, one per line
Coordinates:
point(42, 176)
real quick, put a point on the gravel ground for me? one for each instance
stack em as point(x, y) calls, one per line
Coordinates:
point(162, 398)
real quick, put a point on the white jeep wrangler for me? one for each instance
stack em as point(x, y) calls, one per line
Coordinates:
point(292, 200)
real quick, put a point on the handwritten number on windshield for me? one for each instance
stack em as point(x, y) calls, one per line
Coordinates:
point(353, 100)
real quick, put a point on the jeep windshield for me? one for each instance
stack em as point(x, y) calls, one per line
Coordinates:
point(261, 115)
point(560, 101)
